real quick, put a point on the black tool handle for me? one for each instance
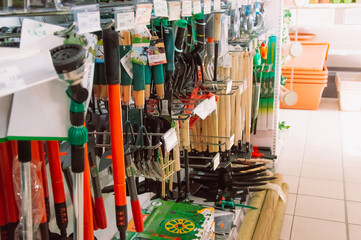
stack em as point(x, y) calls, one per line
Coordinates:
point(24, 151)
point(111, 56)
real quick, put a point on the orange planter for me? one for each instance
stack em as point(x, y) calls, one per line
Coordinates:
point(309, 95)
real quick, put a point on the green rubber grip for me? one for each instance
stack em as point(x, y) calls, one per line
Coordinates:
point(138, 77)
point(124, 77)
point(169, 50)
point(158, 74)
point(148, 74)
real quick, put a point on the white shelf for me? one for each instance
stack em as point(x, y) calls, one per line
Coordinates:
point(331, 6)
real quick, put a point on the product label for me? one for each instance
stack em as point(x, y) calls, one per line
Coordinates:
point(186, 8)
point(88, 21)
point(124, 21)
point(207, 6)
point(206, 107)
point(143, 14)
point(197, 7)
point(229, 87)
point(174, 10)
point(216, 161)
point(217, 5)
point(170, 139)
point(127, 64)
point(10, 80)
point(161, 8)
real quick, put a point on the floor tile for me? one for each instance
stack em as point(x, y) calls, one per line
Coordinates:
point(322, 171)
point(354, 232)
point(354, 212)
point(290, 168)
point(286, 227)
point(291, 155)
point(329, 144)
point(292, 181)
point(352, 175)
point(322, 208)
point(316, 229)
point(353, 192)
point(321, 188)
point(323, 157)
point(291, 203)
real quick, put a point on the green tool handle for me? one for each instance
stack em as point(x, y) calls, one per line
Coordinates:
point(139, 84)
point(169, 50)
point(158, 77)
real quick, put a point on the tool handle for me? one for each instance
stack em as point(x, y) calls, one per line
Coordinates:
point(200, 31)
point(179, 40)
point(185, 133)
point(137, 215)
point(111, 56)
point(158, 77)
point(169, 50)
point(148, 80)
point(139, 84)
point(176, 152)
point(100, 214)
point(217, 26)
point(24, 151)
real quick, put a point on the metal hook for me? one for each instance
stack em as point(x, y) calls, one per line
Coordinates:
point(109, 25)
point(65, 32)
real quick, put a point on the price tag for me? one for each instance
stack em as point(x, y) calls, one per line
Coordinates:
point(186, 8)
point(207, 6)
point(229, 87)
point(217, 5)
point(174, 10)
point(170, 139)
point(231, 142)
point(143, 14)
point(161, 8)
point(127, 64)
point(10, 80)
point(206, 107)
point(88, 21)
point(197, 7)
point(216, 161)
point(124, 20)
point(227, 61)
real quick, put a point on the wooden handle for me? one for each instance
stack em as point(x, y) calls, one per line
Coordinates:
point(205, 133)
point(147, 91)
point(139, 99)
point(96, 91)
point(249, 61)
point(185, 133)
point(126, 94)
point(159, 88)
point(217, 26)
point(266, 217)
point(104, 92)
point(125, 38)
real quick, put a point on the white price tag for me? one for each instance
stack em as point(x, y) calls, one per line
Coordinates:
point(186, 8)
point(127, 64)
point(227, 61)
point(88, 21)
point(206, 107)
point(170, 139)
point(174, 10)
point(124, 21)
point(197, 7)
point(217, 5)
point(229, 87)
point(216, 161)
point(143, 14)
point(231, 142)
point(233, 4)
point(207, 6)
point(10, 80)
point(160, 8)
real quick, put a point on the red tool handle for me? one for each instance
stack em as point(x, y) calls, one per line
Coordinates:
point(45, 179)
point(4, 231)
point(137, 215)
point(88, 208)
point(100, 213)
point(57, 185)
point(111, 57)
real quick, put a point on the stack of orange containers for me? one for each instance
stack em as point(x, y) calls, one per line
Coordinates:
point(309, 77)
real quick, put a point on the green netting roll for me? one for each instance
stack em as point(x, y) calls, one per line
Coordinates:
point(138, 77)
point(124, 77)
point(158, 74)
point(148, 74)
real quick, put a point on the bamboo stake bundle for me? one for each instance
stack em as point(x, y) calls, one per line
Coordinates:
point(279, 215)
point(250, 220)
point(265, 221)
point(214, 126)
point(227, 105)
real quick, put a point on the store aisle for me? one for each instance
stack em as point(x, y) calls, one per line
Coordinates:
point(321, 161)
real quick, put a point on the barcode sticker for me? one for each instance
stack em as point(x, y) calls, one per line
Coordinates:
point(174, 10)
point(229, 87)
point(186, 8)
point(10, 80)
point(124, 20)
point(160, 8)
point(170, 139)
point(197, 7)
point(217, 5)
point(207, 6)
point(88, 21)
point(127, 64)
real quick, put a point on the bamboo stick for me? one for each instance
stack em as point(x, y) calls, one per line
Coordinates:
point(279, 215)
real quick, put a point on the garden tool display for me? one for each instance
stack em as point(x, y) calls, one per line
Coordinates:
point(69, 63)
point(111, 54)
point(125, 46)
point(180, 62)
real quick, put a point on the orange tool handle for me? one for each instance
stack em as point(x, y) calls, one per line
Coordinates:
point(88, 208)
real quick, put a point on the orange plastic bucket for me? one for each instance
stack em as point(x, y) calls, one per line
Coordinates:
point(309, 95)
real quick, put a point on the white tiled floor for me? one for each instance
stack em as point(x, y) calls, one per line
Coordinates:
point(321, 162)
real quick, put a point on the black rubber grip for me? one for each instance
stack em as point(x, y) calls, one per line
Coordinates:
point(111, 56)
point(78, 93)
point(179, 40)
point(122, 220)
point(47, 207)
point(77, 118)
point(61, 217)
point(11, 229)
point(77, 159)
point(44, 230)
point(24, 151)
point(4, 233)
